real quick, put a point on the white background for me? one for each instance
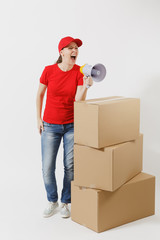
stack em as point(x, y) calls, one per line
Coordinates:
point(124, 35)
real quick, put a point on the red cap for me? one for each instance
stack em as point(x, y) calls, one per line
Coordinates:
point(67, 40)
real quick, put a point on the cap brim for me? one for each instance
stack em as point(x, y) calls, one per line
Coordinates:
point(77, 41)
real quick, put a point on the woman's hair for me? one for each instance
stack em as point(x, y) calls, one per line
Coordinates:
point(59, 60)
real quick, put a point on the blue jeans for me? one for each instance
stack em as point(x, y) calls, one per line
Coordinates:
point(50, 141)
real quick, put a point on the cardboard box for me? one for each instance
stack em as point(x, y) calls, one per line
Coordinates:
point(106, 121)
point(107, 168)
point(102, 210)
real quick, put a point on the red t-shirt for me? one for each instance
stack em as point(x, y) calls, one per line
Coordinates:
point(61, 90)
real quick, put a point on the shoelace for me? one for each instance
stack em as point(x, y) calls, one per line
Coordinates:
point(64, 205)
point(50, 205)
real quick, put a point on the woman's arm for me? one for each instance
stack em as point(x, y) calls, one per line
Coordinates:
point(82, 90)
point(39, 103)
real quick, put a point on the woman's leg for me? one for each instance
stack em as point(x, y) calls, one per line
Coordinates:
point(50, 142)
point(68, 160)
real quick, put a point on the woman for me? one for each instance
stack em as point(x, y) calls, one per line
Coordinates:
point(65, 84)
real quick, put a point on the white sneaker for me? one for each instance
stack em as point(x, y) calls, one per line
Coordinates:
point(65, 213)
point(49, 210)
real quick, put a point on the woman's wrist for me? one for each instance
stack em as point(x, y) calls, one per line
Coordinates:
point(84, 87)
point(39, 118)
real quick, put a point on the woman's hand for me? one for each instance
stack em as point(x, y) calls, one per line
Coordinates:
point(40, 125)
point(87, 81)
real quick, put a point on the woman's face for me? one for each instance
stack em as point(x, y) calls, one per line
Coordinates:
point(70, 53)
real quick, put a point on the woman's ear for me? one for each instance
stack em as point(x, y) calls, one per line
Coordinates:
point(61, 53)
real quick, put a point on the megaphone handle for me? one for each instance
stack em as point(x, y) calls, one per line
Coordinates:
point(87, 85)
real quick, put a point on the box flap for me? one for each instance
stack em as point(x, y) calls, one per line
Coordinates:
point(96, 100)
point(102, 101)
point(140, 177)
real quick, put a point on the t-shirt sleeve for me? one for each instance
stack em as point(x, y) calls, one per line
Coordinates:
point(43, 78)
point(80, 79)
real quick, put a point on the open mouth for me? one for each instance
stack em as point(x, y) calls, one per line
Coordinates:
point(73, 57)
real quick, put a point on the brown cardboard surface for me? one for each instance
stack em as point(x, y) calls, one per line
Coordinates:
point(102, 210)
point(106, 121)
point(107, 168)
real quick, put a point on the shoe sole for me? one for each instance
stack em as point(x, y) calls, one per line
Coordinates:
point(63, 216)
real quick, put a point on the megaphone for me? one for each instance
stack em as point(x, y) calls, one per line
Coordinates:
point(97, 72)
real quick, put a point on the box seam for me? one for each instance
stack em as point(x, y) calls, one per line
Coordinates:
point(112, 169)
point(98, 143)
point(97, 220)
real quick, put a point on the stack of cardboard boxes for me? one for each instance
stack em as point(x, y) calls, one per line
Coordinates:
point(109, 188)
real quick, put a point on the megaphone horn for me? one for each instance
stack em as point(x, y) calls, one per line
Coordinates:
point(97, 72)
